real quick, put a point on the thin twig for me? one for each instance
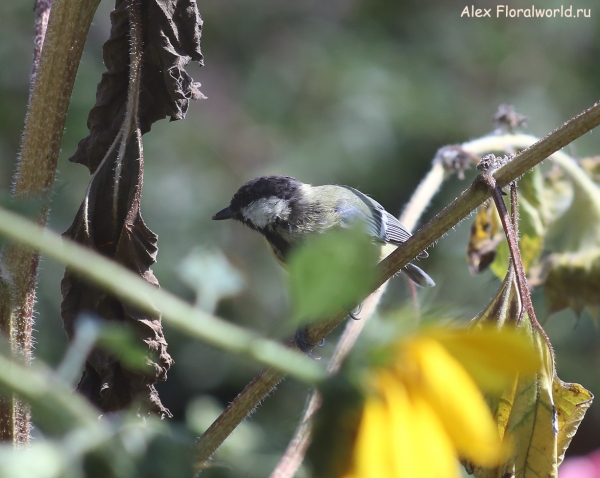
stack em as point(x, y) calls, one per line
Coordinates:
point(513, 245)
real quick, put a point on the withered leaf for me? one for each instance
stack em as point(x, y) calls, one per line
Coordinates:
point(486, 234)
point(487, 247)
point(120, 234)
point(538, 415)
point(171, 38)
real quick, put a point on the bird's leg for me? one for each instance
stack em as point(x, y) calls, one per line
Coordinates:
point(304, 344)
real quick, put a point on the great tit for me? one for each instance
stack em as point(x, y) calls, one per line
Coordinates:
point(287, 211)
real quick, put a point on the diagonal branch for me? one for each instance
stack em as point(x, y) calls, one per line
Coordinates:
point(426, 236)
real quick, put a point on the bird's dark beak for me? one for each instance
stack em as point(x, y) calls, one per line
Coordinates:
point(226, 213)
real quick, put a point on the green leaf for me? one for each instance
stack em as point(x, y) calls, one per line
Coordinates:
point(211, 275)
point(332, 272)
point(121, 342)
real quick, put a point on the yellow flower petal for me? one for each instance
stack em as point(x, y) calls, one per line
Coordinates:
point(455, 398)
point(492, 357)
point(416, 436)
point(372, 455)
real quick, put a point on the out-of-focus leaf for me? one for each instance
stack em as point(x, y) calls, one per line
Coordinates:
point(573, 280)
point(572, 271)
point(122, 344)
point(171, 38)
point(211, 275)
point(592, 167)
point(486, 234)
point(39, 459)
point(121, 235)
point(331, 272)
point(118, 448)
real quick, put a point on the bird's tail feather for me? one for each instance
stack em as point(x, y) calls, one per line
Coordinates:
point(418, 276)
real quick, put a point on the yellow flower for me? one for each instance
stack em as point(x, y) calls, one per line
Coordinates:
point(425, 410)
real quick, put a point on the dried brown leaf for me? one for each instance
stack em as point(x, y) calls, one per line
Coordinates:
point(171, 39)
point(121, 235)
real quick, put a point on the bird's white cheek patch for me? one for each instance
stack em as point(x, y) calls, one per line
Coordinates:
point(264, 212)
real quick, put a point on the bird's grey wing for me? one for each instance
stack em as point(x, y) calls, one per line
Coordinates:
point(351, 215)
point(383, 225)
point(371, 214)
point(396, 233)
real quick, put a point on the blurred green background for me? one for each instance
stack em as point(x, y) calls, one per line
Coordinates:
point(352, 92)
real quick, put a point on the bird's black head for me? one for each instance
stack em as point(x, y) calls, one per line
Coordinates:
point(262, 202)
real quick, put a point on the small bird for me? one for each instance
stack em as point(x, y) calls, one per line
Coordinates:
point(287, 211)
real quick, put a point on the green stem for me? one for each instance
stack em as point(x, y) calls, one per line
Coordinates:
point(61, 410)
point(133, 289)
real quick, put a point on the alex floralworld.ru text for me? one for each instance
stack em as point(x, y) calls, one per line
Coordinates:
point(504, 11)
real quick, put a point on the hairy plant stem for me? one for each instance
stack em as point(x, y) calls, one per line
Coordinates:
point(52, 84)
point(513, 243)
point(427, 235)
point(42, 13)
point(510, 225)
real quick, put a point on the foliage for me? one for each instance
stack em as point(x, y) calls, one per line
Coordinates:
point(332, 273)
point(360, 93)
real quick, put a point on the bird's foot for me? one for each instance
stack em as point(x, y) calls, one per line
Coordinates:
point(305, 345)
point(353, 313)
